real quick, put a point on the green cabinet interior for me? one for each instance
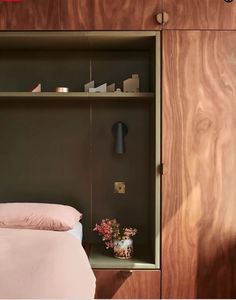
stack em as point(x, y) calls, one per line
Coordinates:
point(58, 147)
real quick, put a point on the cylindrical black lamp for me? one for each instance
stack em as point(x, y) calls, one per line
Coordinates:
point(119, 131)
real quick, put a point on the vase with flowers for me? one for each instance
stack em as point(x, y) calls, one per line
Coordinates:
point(117, 237)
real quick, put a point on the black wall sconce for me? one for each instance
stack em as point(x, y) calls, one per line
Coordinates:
point(119, 131)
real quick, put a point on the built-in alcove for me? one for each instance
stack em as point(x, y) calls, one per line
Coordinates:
point(59, 147)
point(22, 69)
point(74, 59)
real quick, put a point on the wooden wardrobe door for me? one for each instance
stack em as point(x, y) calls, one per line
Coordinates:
point(199, 150)
point(123, 284)
point(110, 14)
point(29, 15)
point(77, 14)
point(126, 14)
point(200, 14)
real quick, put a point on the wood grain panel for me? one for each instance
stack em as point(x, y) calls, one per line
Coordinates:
point(77, 15)
point(126, 14)
point(200, 14)
point(29, 15)
point(118, 284)
point(199, 142)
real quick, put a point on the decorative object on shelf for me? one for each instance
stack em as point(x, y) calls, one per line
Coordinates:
point(62, 89)
point(111, 88)
point(118, 90)
point(131, 84)
point(100, 89)
point(120, 240)
point(36, 88)
point(119, 131)
point(88, 85)
point(123, 249)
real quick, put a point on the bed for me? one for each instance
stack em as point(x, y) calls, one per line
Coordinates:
point(39, 263)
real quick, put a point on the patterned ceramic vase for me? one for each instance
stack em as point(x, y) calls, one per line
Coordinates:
point(123, 249)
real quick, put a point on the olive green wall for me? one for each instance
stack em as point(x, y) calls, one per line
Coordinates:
point(62, 152)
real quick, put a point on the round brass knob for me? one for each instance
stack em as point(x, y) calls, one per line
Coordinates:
point(162, 18)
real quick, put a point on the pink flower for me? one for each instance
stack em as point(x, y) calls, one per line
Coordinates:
point(128, 232)
point(110, 230)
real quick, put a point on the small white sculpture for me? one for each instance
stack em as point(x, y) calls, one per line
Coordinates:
point(131, 84)
point(88, 85)
point(111, 87)
point(62, 89)
point(36, 88)
point(100, 89)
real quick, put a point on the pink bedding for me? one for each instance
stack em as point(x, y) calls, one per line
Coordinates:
point(43, 264)
point(38, 216)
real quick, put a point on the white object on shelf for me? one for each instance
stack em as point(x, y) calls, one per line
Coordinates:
point(111, 87)
point(88, 85)
point(37, 88)
point(118, 90)
point(62, 89)
point(100, 89)
point(131, 85)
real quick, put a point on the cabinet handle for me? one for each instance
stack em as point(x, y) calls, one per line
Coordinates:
point(162, 17)
point(162, 169)
point(228, 1)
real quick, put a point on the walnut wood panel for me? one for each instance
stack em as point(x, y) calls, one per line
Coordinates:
point(76, 14)
point(118, 284)
point(126, 14)
point(29, 15)
point(109, 14)
point(200, 14)
point(199, 142)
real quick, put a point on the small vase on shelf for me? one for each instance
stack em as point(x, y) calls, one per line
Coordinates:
point(116, 237)
point(123, 249)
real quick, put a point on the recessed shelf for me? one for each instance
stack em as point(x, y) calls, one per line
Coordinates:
point(79, 40)
point(73, 95)
point(73, 131)
point(101, 258)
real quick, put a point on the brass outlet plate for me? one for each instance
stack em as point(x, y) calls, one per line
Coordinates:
point(119, 187)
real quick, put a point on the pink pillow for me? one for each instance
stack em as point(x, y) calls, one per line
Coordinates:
point(38, 216)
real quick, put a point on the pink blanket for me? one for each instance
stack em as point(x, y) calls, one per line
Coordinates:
point(43, 264)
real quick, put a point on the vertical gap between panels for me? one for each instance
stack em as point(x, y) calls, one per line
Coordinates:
point(91, 163)
point(90, 70)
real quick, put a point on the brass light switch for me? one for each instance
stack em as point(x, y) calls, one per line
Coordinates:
point(119, 187)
